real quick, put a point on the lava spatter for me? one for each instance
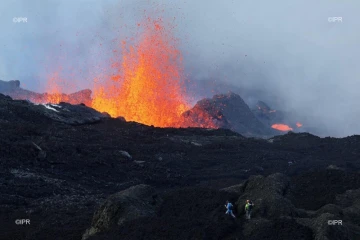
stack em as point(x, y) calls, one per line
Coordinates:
point(149, 86)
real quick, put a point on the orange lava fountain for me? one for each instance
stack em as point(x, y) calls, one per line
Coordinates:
point(148, 86)
point(281, 127)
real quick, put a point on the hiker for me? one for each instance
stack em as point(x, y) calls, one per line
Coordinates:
point(229, 208)
point(248, 207)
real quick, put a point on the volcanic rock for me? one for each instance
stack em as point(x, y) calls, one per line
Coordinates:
point(263, 107)
point(270, 117)
point(329, 208)
point(63, 112)
point(13, 89)
point(205, 115)
point(238, 189)
point(60, 192)
point(121, 118)
point(274, 217)
point(350, 203)
point(323, 231)
point(73, 114)
point(279, 228)
point(188, 213)
point(125, 154)
point(9, 86)
point(225, 111)
point(267, 193)
point(267, 115)
point(315, 189)
point(334, 167)
point(133, 203)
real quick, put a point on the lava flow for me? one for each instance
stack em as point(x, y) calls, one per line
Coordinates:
point(148, 87)
point(281, 127)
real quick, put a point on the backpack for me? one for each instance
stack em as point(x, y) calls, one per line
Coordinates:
point(250, 206)
point(230, 206)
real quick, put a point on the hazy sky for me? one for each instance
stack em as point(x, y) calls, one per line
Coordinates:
point(288, 48)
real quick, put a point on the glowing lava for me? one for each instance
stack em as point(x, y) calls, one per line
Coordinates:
point(298, 124)
point(281, 127)
point(53, 89)
point(53, 92)
point(148, 87)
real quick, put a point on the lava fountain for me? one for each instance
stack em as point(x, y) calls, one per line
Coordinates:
point(148, 86)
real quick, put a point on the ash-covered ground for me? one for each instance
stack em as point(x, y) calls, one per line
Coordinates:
point(78, 174)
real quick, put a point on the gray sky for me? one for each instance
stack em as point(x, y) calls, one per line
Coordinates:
point(307, 63)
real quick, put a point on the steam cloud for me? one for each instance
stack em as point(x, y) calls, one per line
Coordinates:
point(284, 52)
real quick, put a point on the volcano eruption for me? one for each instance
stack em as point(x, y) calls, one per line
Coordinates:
point(148, 86)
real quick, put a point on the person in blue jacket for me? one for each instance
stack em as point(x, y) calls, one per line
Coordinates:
point(229, 208)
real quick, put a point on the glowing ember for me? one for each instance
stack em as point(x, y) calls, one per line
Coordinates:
point(281, 127)
point(298, 124)
point(148, 87)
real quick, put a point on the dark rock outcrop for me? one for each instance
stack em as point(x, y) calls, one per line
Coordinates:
point(187, 213)
point(236, 189)
point(62, 112)
point(226, 111)
point(274, 216)
point(350, 204)
point(128, 205)
point(267, 115)
point(73, 114)
point(267, 193)
point(204, 115)
point(273, 209)
point(8, 86)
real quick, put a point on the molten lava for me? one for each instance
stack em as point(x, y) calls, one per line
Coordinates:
point(146, 84)
point(298, 124)
point(53, 90)
point(281, 127)
point(148, 87)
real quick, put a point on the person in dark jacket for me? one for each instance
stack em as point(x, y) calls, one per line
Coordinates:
point(248, 207)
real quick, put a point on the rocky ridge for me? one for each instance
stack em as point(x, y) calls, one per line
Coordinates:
point(62, 176)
